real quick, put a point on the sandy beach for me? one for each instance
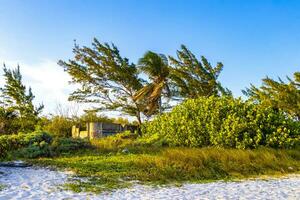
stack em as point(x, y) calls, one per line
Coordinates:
point(42, 183)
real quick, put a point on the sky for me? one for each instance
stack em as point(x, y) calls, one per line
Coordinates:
point(252, 38)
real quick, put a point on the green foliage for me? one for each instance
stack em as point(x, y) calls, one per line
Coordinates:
point(38, 144)
point(278, 94)
point(59, 126)
point(34, 150)
point(157, 68)
point(110, 170)
point(114, 142)
point(93, 116)
point(57, 147)
point(104, 77)
point(21, 140)
point(68, 145)
point(195, 78)
point(185, 77)
point(14, 98)
point(8, 118)
point(224, 121)
point(122, 121)
point(114, 84)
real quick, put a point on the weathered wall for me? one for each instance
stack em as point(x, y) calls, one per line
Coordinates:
point(100, 129)
point(83, 134)
point(75, 132)
point(95, 130)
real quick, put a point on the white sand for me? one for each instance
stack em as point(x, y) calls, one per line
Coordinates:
point(40, 183)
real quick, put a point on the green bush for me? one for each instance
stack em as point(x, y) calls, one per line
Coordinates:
point(224, 121)
point(116, 141)
point(59, 126)
point(38, 144)
point(67, 145)
point(22, 140)
point(57, 147)
point(35, 150)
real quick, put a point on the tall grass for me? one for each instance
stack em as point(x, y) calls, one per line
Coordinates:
point(107, 169)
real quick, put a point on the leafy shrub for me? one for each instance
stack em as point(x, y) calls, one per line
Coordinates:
point(224, 121)
point(152, 140)
point(59, 126)
point(67, 145)
point(21, 140)
point(57, 147)
point(119, 140)
point(35, 150)
point(38, 144)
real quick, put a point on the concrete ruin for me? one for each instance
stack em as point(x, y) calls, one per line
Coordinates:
point(100, 129)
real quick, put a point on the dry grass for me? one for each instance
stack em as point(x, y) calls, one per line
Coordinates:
point(109, 168)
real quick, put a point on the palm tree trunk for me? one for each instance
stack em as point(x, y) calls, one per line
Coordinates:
point(160, 105)
point(138, 116)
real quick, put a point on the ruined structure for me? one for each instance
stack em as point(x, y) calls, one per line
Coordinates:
point(100, 129)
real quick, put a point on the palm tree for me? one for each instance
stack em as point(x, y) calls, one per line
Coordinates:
point(157, 68)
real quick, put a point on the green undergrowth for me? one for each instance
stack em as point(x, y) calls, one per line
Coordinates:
point(105, 169)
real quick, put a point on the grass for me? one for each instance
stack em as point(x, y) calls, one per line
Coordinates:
point(106, 167)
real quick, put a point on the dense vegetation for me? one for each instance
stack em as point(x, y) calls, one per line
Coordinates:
point(278, 94)
point(106, 78)
point(117, 160)
point(17, 111)
point(15, 142)
point(37, 144)
point(209, 135)
point(226, 122)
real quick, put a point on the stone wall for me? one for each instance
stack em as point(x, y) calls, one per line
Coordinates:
point(100, 129)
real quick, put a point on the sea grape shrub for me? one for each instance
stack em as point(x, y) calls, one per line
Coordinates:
point(226, 122)
point(57, 147)
point(34, 150)
point(59, 126)
point(21, 140)
point(68, 145)
point(38, 144)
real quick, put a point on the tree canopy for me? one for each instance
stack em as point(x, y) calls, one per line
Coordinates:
point(104, 77)
point(110, 81)
point(278, 94)
point(17, 101)
point(195, 78)
point(156, 67)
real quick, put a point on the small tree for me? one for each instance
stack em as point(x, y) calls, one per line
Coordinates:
point(157, 68)
point(16, 98)
point(278, 94)
point(105, 78)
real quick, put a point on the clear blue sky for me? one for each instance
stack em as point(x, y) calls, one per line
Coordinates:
point(253, 38)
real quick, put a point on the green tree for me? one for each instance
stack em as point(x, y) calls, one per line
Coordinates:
point(105, 78)
point(7, 119)
point(122, 121)
point(156, 67)
point(194, 78)
point(278, 94)
point(59, 126)
point(17, 98)
point(93, 116)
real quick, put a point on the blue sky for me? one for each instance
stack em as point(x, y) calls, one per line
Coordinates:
point(253, 38)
